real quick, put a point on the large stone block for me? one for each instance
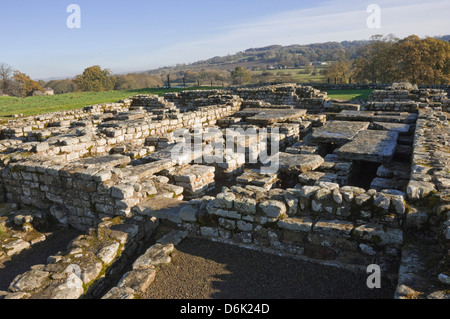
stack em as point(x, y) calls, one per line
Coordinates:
point(418, 190)
point(296, 224)
point(334, 228)
point(379, 234)
point(273, 208)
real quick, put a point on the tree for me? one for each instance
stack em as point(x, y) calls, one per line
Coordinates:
point(62, 86)
point(134, 81)
point(241, 75)
point(423, 61)
point(29, 86)
point(376, 61)
point(94, 79)
point(5, 73)
point(308, 69)
point(342, 69)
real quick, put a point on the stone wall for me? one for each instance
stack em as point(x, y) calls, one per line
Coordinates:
point(35, 128)
point(81, 193)
point(429, 198)
point(91, 262)
point(369, 86)
point(431, 156)
point(136, 281)
point(406, 98)
point(301, 97)
point(102, 132)
point(346, 225)
point(422, 95)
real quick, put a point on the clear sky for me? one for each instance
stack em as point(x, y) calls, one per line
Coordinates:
point(137, 35)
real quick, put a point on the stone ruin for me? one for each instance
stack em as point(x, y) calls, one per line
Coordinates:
point(356, 185)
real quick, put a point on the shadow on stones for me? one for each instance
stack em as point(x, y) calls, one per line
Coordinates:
point(36, 255)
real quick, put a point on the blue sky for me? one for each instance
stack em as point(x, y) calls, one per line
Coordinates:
point(135, 35)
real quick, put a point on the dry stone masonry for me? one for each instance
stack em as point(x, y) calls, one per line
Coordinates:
point(354, 185)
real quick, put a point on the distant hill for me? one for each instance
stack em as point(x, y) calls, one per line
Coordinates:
point(445, 38)
point(275, 56)
point(272, 56)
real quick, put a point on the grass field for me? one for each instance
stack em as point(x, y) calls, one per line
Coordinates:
point(349, 94)
point(297, 75)
point(71, 101)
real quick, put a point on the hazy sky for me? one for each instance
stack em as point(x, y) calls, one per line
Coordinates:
point(137, 35)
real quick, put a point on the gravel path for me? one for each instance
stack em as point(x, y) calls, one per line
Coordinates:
point(201, 269)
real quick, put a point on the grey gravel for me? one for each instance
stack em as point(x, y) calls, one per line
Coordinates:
point(202, 269)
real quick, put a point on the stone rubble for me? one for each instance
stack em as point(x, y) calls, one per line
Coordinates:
point(355, 184)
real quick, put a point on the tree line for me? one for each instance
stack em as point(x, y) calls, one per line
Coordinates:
point(93, 79)
point(389, 59)
point(382, 59)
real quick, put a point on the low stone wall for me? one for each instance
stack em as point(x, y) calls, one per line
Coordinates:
point(23, 128)
point(422, 95)
point(368, 86)
point(409, 106)
point(347, 225)
point(144, 269)
point(429, 198)
point(21, 229)
point(301, 97)
point(83, 192)
point(90, 264)
point(76, 143)
point(431, 156)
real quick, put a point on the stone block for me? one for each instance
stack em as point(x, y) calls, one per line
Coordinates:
point(245, 206)
point(138, 279)
point(334, 228)
point(417, 190)
point(378, 234)
point(189, 213)
point(272, 208)
point(156, 255)
point(296, 224)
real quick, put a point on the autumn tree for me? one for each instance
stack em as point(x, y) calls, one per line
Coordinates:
point(94, 79)
point(341, 70)
point(134, 81)
point(62, 86)
point(28, 85)
point(241, 75)
point(418, 61)
point(423, 61)
point(375, 62)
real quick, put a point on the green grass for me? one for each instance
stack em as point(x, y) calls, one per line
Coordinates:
point(71, 101)
point(349, 95)
point(294, 74)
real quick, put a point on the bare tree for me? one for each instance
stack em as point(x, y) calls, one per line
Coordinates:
point(5, 73)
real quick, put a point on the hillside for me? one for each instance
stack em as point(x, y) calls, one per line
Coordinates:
point(272, 56)
point(275, 56)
